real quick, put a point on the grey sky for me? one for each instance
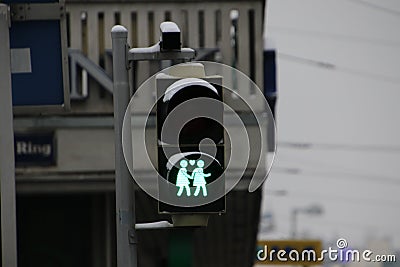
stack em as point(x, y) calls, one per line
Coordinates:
point(339, 90)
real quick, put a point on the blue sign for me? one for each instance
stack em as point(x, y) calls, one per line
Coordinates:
point(269, 72)
point(42, 81)
point(34, 149)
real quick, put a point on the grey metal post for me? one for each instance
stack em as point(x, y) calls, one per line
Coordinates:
point(125, 198)
point(7, 168)
point(293, 223)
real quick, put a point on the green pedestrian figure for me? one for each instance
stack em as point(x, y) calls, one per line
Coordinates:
point(182, 180)
point(199, 180)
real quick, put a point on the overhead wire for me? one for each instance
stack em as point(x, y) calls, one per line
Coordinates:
point(377, 7)
point(305, 161)
point(334, 67)
point(347, 147)
point(355, 200)
point(345, 221)
point(381, 179)
point(334, 36)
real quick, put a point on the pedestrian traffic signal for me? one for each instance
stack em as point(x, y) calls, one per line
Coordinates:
point(190, 138)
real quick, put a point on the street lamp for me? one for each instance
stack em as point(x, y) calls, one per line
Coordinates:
point(310, 210)
point(266, 219)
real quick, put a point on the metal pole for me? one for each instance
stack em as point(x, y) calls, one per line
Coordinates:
point(125, 198)
point(294, 222)
point(7, 167)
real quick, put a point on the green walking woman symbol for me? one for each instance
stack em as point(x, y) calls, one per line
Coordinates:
point(182, 180)
point(199, 180)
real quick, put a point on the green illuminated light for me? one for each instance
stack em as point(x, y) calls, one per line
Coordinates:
point(198, 176)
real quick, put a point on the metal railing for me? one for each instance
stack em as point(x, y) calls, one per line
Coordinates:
point(232, 29)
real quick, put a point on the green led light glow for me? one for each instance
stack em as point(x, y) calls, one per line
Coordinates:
point(197, 176)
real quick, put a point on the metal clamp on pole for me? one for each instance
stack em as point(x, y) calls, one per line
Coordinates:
point(168, 48)
point(154, 225)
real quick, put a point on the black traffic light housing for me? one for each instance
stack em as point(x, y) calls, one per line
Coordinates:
point(193, 145)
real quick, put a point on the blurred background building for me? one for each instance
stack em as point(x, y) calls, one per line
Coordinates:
point(338, 130)
point(337, 123)
point(66, 203)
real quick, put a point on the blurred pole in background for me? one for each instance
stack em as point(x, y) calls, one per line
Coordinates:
point(293, 222)
point(270, 90)
point(315, 209)
point(7, 161)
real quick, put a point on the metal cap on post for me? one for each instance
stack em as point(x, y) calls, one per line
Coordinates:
point(125, 198)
